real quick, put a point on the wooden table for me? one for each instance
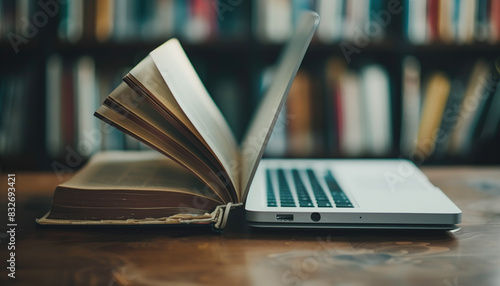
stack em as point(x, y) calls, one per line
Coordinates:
point(246, 256)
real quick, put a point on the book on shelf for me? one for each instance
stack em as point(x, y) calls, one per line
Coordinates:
point(200, 171)
point(411, 104)
point(495, 21)
point(359, 110)
point(492, 117)
point(341, 19)
point(20, 127)
point(377, 115)
point(203, 20)
point(471, 108)
point(415, 21)
point(85, 103)
point(432, 19)
point(481, 29)
point(104, 19)
point(299, 108)
point(458, 112)
point(272, 20)
point(71, 26)
point(130, 20)
point(334, 69)
point(330, 27)
point(477, 104)
point(450, 115)
point(74, 89)
point(445, 20)
point(436, 95)
point(351, 127)
point(448, 21)
point(53, 127)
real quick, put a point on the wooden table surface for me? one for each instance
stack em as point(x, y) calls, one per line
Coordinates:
point(247, 256)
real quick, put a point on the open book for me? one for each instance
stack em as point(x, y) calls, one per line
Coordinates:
point(163, 103)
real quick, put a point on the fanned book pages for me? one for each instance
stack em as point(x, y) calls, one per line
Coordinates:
point(200, 171)
point(162, 103)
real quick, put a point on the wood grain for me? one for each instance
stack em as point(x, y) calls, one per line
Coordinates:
point(247, 256)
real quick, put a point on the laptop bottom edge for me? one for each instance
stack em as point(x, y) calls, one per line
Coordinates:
point(355, 226)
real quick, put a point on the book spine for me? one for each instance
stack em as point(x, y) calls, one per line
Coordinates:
point(299, 107)
point(86, 103)
point(331, 24)
point(449, 119)
point(495, 21)
point(104, 19)
point(481, 32)
point(273, 20)
point(410, 104)
point(351, 132)
point(67, 107)
point(417, 14)
point(472, 105)
point(377, 112)
point(492, 120)
point(445, 21)
point(53, 132)
point(466, 22)
point(432, 19)
point(164, 18)
point(436, 94)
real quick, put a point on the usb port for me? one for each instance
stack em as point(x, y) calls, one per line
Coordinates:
point(284, 217)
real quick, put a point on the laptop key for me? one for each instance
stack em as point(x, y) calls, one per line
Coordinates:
point(302, 195)
point(339, 197)
point(306, 204)
point(324, 204)
point(321, 198)
point(271, 199)
point(332, 183)
point(344, 205)
point(286, 198)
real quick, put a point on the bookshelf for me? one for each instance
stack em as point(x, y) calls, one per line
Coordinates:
point(232, 44)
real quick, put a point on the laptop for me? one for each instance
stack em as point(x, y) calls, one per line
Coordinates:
point(331, 193)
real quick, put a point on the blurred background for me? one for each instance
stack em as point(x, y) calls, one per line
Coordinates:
point(381, 79)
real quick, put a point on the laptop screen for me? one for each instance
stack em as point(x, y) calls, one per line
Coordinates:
point(264, 119)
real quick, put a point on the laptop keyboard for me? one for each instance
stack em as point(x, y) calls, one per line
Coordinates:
point(302, 196)
point(286, 198)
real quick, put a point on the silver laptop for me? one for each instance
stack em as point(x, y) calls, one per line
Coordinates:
point(330, 193)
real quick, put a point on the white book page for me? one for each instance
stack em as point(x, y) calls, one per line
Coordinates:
point(198, 106)
point(138, 171)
